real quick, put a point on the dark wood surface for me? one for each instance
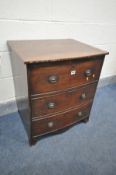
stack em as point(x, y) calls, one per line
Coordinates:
point(62, 101)
point(49, 87)
point(21, 91)
point(31, 51)
point(39, 76)
point(60, 121)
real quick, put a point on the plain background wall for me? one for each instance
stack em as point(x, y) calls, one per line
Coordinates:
point(90, 21)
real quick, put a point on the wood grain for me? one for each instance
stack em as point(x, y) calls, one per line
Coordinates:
point(56, 74)
point(31, 51)
point(60, 121)
point(62, 101)
point(39, 75)
point(21, 91)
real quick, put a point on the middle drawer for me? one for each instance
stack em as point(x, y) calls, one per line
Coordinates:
point(42, 107)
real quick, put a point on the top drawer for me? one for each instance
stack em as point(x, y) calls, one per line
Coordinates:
point(49, 77)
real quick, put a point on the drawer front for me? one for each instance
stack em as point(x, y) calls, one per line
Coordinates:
point(40, 127)
point(63, 101)
point(61, 76)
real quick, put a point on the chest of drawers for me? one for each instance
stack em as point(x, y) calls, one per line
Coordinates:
point(55, 83)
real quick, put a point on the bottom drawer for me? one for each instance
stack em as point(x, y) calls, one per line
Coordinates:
point(60, 121)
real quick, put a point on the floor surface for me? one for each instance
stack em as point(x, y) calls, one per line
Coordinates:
point(85, 149)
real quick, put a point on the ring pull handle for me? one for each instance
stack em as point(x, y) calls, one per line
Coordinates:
point(83, 96)
point(51, 105)
point(88, 72)
point(80, 114)
point(50, 124)
point(52, 79)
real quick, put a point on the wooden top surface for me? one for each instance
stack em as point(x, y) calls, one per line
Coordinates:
point(31, 51)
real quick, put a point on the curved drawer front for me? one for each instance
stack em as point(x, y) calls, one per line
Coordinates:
point(56, 77)
point(60, 121)
point(63, 101)
point(40, 127)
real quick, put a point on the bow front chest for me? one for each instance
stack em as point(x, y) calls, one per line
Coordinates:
point(55, 83)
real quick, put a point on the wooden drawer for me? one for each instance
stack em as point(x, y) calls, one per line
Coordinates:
point(57, 76)
point(54, 77)
point(40, 127)
point(62, 101)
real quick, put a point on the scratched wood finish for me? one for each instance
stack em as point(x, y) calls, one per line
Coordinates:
point(54, 74)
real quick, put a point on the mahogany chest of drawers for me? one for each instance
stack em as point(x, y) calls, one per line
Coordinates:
point(55, 83)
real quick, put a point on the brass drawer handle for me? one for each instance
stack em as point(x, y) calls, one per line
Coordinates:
point(83, 96)
point(50, 124)
point(51, 105)
point(80, 114)
point(52, 79)
point(88, 72)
